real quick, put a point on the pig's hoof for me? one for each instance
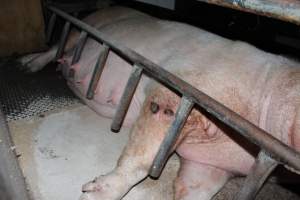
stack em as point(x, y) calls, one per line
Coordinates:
point(90, 196)
point(93, 186)
point(31, 63)
point(98, 189)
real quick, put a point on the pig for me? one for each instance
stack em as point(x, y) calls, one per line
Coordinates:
point(209, 154)
point(261, 87)
point(209, 158)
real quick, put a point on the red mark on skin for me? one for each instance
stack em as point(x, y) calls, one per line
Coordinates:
point(290, 134)
point(92, 186)
point(95, 188)
point(180, 190)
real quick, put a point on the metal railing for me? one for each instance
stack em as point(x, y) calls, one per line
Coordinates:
point(286, 10)
point(273, 152)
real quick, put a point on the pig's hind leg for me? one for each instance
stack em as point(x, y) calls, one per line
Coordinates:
point(132, 167)
point(116, 184)
point(37, 61)
point(199, 181)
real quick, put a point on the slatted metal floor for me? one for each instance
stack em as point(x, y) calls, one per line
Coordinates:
point(24, 95)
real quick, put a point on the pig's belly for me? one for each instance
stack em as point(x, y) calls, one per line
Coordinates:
point(222, 153)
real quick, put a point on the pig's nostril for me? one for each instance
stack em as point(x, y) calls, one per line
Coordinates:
point(154, 107)
point(168, 112)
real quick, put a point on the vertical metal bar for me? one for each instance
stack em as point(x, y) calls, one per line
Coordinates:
point(97, 72)
point(63, 40)
point(50, 27)
point(79, 47)
point(263, 167)
point(181, 116)
point(126, 98)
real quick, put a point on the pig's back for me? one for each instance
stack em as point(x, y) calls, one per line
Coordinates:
point(225, 65)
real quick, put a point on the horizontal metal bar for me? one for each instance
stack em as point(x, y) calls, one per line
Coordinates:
point(79, 47)
point(12, 183)
point(63, 40)
point(50, 27)
point(99, 66)
point(181, 116)
point(261, 170)
point(275, 148)
point(126, 98)
point(286, 10)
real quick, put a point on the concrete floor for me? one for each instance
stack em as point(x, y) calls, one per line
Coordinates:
point(60, 151)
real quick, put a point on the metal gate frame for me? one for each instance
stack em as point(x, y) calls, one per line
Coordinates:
point(273, 152)
point(286, 10)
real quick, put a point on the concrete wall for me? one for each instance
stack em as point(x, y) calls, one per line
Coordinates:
point(21, 26)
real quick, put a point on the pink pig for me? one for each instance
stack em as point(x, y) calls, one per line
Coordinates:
point(261, 87)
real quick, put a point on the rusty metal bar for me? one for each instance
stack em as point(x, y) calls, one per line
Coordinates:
point(50, 27)
point(272, 146)
point(165, 148)
point(261, 170)
point(79, 47)
point(286, 10)
point(12, 183)
point(126, 98)
point(99, 66)
point(63, 40)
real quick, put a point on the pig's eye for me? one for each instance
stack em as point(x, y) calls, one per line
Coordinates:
point(154, 107)
point(168, 112)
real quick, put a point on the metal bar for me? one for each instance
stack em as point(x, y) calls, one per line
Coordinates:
point(275, 148)
point(12, 183)
point(261, 170)
point(63, 40)
point(79, 47)
point(50, 27)
point(286, 10)
point(97, 72)
point(181, 116)
point(126, 98)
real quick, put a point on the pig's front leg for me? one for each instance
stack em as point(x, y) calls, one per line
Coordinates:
point(199, 181)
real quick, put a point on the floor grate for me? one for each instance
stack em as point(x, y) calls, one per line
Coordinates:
point(25, 95)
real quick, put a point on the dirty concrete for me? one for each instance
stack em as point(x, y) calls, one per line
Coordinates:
point(60, 151)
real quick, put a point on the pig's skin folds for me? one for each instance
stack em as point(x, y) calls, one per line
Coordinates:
point(262, 87)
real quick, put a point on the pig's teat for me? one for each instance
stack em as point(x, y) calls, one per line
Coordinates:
point(168, 112)
point(154, 107)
